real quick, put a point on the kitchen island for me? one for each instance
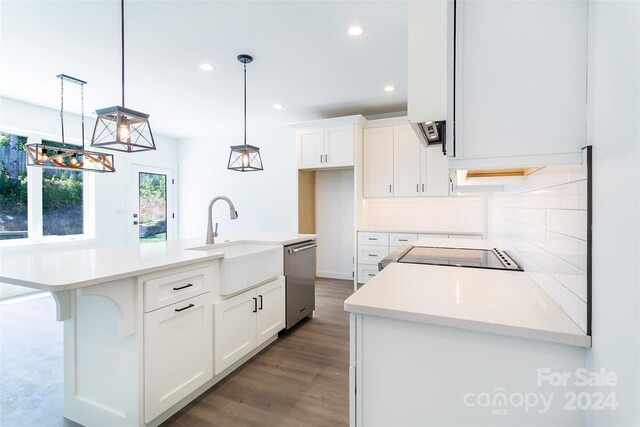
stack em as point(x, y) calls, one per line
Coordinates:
point(147, 328)
point(442, 345)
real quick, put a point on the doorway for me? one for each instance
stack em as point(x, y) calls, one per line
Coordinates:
point(151, 216)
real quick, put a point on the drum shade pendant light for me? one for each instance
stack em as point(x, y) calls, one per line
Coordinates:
point(245, 158)
point(119, 128)
point(64, 157)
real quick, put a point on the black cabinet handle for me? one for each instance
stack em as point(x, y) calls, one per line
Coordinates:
point(373, 255)
point(183, 287)
point(403, 240)
point(184, 308)
point(255, 305)
point(260, 296)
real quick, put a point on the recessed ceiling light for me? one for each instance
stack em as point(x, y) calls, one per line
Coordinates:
point(389, 88)
point(277, 106)
point(355, 30)
point(206, 67)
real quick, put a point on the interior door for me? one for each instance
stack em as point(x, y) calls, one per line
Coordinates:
point(151, 215)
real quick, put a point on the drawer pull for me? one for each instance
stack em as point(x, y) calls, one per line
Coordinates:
point(373, 255)
point(371, 275)
point(255, 305)
point(372, 238)
point(184, 308)
point(260, 296)
point(403, 240)
point(183, 287)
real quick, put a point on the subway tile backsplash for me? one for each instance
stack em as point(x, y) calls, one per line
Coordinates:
point(543, 222)
point(461, 214)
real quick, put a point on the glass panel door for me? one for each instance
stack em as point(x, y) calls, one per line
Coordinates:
point(152, 201)
point(151, 214)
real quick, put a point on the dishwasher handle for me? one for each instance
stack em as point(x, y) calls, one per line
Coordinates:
point(304, 248)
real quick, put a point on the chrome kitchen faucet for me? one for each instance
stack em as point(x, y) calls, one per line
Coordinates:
point(233, 214)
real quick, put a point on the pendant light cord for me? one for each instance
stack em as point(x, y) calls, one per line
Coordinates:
point(122, 44)
point(245, 104)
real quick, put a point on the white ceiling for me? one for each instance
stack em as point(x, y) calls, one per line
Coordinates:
point(303, 59)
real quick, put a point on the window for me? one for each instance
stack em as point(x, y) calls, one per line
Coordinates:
point(13, 187)
point(39, 203)
point(62, 200)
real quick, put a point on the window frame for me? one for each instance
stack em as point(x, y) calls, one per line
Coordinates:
point(34, 200)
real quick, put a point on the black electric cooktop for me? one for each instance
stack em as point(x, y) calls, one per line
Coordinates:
point(458, 257)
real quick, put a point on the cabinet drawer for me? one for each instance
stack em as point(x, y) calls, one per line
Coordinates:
point(373, 239)
point(371, 254)
point(399, 239)
point(366, 272)
point(178, 285)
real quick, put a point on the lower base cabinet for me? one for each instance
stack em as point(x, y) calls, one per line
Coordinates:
point(244, 321)
point(178, 349)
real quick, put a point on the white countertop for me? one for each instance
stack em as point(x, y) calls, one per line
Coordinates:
point(416, 231)
point(495, 301)
point(73, 268)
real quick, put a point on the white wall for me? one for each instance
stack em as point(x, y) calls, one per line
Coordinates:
point(613, 103)
point(335, 224)
point(111, 189)
point(266, 201)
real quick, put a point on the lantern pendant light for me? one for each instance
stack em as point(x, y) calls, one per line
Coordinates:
point(119, 128)
point(245, 158)
point(63, 157)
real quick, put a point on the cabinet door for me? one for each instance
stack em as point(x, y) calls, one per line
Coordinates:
point(378, 162)
point(310, 144)
point(338, 144)
point(178, 355)
point(234, 329)
point(271, 310)
point(434, 172)
point(531, 100)
point(406, 162)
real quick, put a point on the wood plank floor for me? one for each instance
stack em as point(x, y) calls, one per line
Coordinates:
point(301, 379)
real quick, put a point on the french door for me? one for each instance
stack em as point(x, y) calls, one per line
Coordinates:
point(151, 215)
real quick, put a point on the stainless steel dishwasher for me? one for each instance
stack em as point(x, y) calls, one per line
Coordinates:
point(300, 273)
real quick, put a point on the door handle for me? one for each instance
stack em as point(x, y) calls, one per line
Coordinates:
point(260, 296)
point(255, 305)
point(135, 222)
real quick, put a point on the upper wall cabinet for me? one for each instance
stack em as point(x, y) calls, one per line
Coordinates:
point(520, 81)
point(328, 143)
point(396, 164)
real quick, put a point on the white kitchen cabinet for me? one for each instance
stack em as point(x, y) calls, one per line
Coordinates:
point(378, 162)
point(397, 164)
point(371, 254)
point(326, 147)
point(406, 162)
point(434, 172)
point(234, 329)
point(373, 239)
point(178, 348)
point(244, 321)
point(270, 317)
point(310, 144)
point(400, 239)
point(520, 88)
